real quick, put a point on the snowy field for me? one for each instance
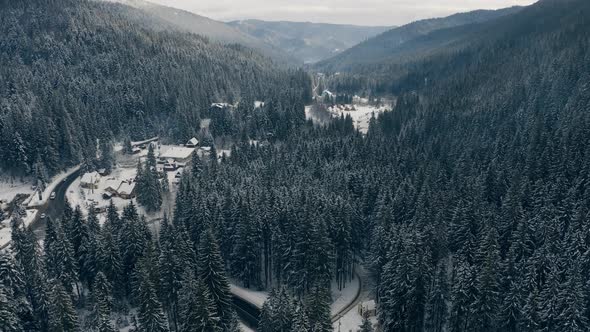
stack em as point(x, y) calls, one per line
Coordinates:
point(360, 114)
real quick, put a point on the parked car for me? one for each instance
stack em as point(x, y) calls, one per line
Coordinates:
point(43, 216)
point(52, 196)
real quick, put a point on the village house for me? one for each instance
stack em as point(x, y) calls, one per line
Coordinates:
point(90, 180)
point(192, 143)
point(170, 166)
point(179, 154)
point(127, 190)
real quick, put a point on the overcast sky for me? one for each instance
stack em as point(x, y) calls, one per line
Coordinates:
point(362, 12)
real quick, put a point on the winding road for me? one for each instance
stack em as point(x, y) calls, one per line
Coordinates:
point(249, 313)
point(54, 208)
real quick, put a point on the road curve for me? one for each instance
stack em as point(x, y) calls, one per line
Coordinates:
point(54, 208)
point(249, 313)
point(355, 301)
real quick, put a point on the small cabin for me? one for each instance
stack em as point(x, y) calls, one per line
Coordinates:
point(127, 190)
point(90, 180)
point(192, 143)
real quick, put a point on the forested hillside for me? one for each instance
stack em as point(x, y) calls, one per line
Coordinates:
point(469, 203)
point(410, 41)
point(308, 42)
point(76, 71)
point(216, 31)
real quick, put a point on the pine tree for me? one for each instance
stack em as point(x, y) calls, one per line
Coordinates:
point(151, 314)
point(300, 319)
point(485, 308)
point(212, 273)
point(171, 269)
point(127, 147)
point(62, 315)
point(198, 311)
point(102, 304)
point(61, 262)
point(9, 320)
point(366, 326)
point(109, 260)
point(278, 312)
point(318, 310)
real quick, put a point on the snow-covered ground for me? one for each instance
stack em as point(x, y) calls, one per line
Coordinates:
point(125, 170)
point(10, 187)
point(245, 328)
point(351, 320)
point(342, 298)
point(255, 297)
point(86, 197)
point(5, 234)
point(361, 114)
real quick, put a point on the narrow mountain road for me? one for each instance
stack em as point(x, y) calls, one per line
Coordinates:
point(355, 301)
point(249, 313)
point(54, 208)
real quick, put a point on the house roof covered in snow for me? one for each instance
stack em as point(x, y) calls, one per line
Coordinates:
point(92, 177)
point(369, 305)
point(126, 188)
point(193, 141)
point(177, 152)
point(112, 184)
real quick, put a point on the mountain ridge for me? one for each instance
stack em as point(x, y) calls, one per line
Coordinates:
point(308, 41)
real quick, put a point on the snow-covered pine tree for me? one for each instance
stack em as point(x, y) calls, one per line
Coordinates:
point(318, 309)
point(102, 304)
point(151, 314)
point(212, 273)
point(197, 309)
point(62, 315)
point(366, 326)
point(9, 320)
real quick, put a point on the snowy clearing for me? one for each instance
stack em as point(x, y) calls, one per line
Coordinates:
point(360, 114)
point(10, 187)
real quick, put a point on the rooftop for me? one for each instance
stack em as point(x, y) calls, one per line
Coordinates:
point(177, 152)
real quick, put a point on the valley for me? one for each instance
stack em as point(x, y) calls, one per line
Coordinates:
point(166, 171)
